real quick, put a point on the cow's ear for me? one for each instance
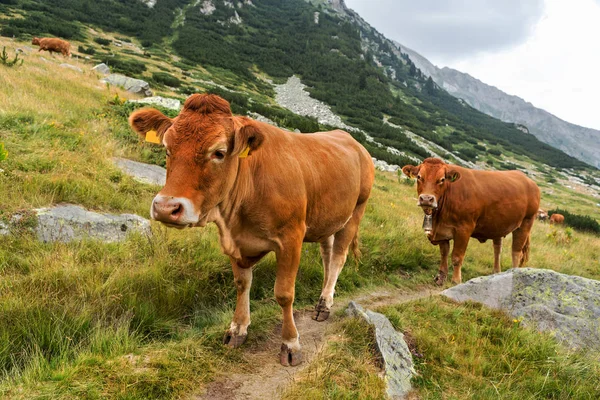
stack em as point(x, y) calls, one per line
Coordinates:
point(452, 175)
point(150, 119)
point(247, 139)
point(411, 171)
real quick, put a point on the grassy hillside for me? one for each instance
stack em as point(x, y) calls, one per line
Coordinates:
point(144, 318)
point(350, 67)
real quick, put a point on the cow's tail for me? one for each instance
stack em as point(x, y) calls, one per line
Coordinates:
point(355, 247)
point(525, 257)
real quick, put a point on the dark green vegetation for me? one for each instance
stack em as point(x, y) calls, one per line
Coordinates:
point(8, 61)
point(282, 39)
point(583, 223)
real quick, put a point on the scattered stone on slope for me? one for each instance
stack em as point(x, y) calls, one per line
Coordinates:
point(102, 69)
point(567, 306)
point(132, 85)
point(73, 67)
point(67, 222)
point(4, 229)
point(383, 166)
point(397, 359)
point(145, 173)
point(261, 118)
point(172, 104)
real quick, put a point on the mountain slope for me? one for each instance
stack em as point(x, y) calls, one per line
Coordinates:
point(577, 141)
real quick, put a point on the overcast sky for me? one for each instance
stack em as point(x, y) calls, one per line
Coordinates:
point(545, 51)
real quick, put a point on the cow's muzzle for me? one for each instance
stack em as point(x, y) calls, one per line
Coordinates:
point(173, 211)
point(428, 203)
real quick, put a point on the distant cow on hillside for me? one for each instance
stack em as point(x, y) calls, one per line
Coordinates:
point(557, 219)
point(267, 190)
point(461, 203)
point(53, 45)
point(542, 215)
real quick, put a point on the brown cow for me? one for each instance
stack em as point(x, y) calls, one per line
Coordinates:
point(468, 203)
point(267, 190)
point(53, 45)
point(557, 219)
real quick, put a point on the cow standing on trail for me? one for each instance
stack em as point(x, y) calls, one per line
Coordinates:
point(267, 190)
point(464, 203)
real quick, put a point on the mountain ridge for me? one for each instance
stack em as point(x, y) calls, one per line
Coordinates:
point(575, 140)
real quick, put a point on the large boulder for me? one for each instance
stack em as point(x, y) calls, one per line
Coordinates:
point(397, 359)
point(66, 223)
point(172, 104)
point(132, 85)
point(567, 306)
point(145, 173)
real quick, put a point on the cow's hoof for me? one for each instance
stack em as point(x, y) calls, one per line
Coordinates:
point(321, 312)
point(289, 357)
point(440, 279)
point(233, 340)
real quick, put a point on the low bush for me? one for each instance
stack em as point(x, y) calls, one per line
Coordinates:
point(102, 41)
point(166, 79)
point(583, 223)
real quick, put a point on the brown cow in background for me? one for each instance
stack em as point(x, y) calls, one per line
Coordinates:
point(267, 190)
point(557, 219)
point(465, 203)
point(53, 45)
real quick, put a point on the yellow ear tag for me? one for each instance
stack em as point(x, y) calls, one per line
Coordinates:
point(244, 153)
point(152, 137)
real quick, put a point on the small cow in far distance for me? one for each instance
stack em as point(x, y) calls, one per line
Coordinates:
point(557, 219)
point(53, 45)
point(461, 203)
point(542, 215)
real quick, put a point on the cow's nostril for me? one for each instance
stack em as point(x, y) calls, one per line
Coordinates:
point(177, 210)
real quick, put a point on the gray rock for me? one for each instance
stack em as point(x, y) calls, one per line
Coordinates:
point(383, 166)
point(397, 359)
point(567, 306)
point(4, 229)
point(145, 173)
point(66, 223)
point(132, 85)
point(172, 104)
point(73, 67)
point(102, 69)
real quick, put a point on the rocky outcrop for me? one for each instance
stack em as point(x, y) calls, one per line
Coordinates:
point(102, 69)
point(567, 306)
point(172, 104)
point(577, 141)
point(132, 85)
point(144, 173)
point(67, 223)
point(397, 359)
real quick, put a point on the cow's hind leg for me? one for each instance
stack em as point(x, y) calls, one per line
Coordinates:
point(320, 312)
point(342, 240)
point(443, 272)
point(238, 331)
point(497, 253)
point(520, 244)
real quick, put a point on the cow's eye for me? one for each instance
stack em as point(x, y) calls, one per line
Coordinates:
point(168, 153)
point(442, 180)
point(218, 155)
point(419, 177)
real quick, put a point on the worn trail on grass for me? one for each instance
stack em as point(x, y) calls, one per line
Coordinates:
point(268, 379)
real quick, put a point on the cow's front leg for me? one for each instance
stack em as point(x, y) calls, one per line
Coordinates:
point(497, 254)
point(288, 260)
point(443, 272)
point(461, 242)
point(238, 331)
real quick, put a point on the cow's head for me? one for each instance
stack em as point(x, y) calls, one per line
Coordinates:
point(205, 145)
point(433, 178)
point(35, 41)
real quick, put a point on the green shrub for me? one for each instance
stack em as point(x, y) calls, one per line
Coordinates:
point(494, 151)
point(86, 50)
point(102, 41)
point(128, 67)
point(166, 79)
point(583, 223)
point(3, 152)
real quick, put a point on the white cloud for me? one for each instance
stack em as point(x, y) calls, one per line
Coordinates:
point(556, 69)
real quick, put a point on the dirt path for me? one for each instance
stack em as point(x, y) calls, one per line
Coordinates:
point(269, 379)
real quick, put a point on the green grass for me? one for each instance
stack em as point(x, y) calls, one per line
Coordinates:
point(144, 318)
